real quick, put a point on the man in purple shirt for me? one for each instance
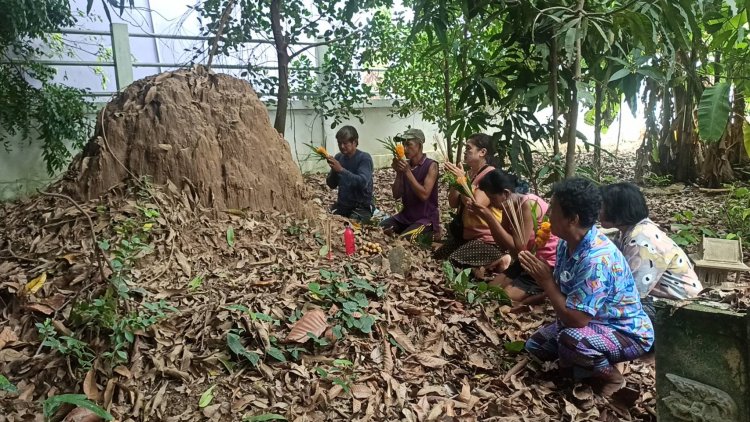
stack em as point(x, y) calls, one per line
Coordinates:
point(416, 186)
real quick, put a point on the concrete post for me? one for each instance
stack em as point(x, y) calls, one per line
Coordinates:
point(121, 55)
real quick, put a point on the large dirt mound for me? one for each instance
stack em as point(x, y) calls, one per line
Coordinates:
point(197, 129)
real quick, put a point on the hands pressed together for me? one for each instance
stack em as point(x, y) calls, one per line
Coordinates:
point(537, 268)
point(400, 166)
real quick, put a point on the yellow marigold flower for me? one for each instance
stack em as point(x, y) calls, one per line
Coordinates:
point(399, 150)
point(546, 226)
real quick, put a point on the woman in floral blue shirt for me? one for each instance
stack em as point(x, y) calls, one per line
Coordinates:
point(600, 320)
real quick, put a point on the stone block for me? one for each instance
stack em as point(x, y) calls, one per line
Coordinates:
point(702, 363)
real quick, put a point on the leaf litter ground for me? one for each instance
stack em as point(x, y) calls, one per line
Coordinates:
point(237, 294)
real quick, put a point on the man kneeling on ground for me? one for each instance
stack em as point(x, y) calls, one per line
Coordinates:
point(351, 173)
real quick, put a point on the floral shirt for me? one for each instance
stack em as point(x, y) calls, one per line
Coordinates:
point(660, 267)
point(596, 280)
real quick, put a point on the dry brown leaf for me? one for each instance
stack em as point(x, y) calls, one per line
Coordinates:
point(90, 389)
point(80, 414)
point(465, 395)
point(109, 391)
point(430, 361)
point(432, 389)
point(361, 391)
point(477, 360)
point(489, 331)
point(7, 336)
point(436, 411)
point(27, 393)
point(313, 321)
point(402, 339)
point(334, 392)
point(516, 369)
point(39, 307)
point(125, 372)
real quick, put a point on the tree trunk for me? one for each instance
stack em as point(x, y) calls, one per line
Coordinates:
point(598, 100)
point(717, 164)
point(570, 155)
point(553, 96)
point(447, 96)
point(687, 138)
point(282, 56)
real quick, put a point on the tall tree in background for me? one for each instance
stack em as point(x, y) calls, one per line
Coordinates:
point(31, 106)
point(294, 27)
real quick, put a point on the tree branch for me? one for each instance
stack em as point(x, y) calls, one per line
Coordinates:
point(318, 44)
point(219, 30)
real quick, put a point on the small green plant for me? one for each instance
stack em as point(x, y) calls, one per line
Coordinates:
point(654, 179)
point(235, 345)
point(6, 385)
point(472, 292)
point(341, 373)
point(687, 233)
point(230, 237)
point(351, 299)
point(65, 345)
point(737, 212)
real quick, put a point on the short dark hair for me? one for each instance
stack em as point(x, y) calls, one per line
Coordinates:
point(497, 181)
point(347, 133)
point(578, 196)
point(623, 204)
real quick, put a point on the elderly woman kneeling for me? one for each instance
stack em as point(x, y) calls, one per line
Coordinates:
point(600, 320)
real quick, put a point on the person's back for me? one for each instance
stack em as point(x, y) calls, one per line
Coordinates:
point(660, 267)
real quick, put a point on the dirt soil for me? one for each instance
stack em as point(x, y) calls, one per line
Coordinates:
point(202, 131)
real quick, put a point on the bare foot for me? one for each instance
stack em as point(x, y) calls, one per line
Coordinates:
point(502, 264)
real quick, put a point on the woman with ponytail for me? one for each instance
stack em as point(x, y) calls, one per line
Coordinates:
point(515, 232)
point(470, 242)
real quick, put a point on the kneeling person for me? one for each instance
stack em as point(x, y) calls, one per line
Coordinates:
point(351, 173)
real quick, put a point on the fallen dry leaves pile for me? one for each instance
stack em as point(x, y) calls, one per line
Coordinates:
point(426, 357)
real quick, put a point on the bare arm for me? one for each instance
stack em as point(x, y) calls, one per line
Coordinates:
point(423, 191)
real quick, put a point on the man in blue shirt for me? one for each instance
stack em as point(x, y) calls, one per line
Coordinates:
point(351, 173)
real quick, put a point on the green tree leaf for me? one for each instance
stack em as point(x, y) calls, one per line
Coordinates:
point(230, 237)
point(233, 341)
point(264, 417)
point(713, 111)
point(206, 397)
point(6, 385)
point(515, 346)
point(276, 354)
point(53, 403)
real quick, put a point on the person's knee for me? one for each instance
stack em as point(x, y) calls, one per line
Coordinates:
point(515, 294)
point(535, 348)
